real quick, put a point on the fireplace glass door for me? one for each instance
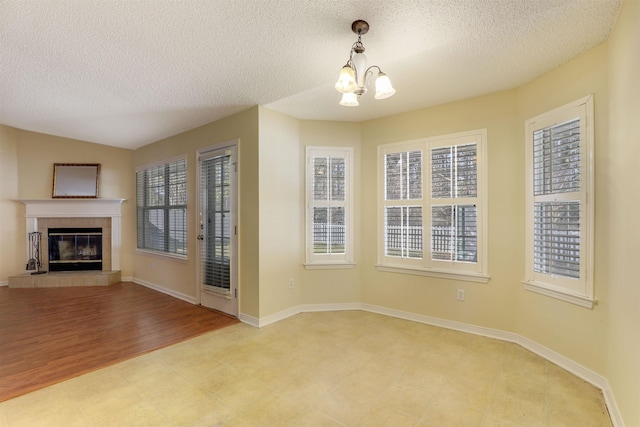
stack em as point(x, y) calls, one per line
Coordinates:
point(75, 249)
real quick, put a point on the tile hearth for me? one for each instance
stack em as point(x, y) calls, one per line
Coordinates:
point(61, 279)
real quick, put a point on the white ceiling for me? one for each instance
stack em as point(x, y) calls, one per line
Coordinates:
point(128, 73)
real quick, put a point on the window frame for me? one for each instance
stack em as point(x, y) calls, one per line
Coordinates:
point(166, 208)
point(577, 291)
point(338, 260)
point(426, 266)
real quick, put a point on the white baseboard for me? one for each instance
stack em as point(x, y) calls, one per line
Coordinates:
point(281, 315)
point(443, 323)
point(578, 370)
point(346, 306)
point(164, 290)
point(305, 308)
point(4, 283)
point(564, 362)
point(249, 320)
point(612, 406)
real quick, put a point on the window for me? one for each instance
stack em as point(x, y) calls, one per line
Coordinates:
point(161, 200)
point(559, 251)
point(329, 229)
point(432, 196)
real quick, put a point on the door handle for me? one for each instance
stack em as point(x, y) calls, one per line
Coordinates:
point(200, 237)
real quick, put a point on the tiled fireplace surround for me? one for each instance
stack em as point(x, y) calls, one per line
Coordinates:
point(44, 224)
point(43, 214)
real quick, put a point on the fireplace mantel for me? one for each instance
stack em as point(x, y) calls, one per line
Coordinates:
point(79, 208)
point(53, 208)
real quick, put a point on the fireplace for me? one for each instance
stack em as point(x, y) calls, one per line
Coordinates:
point(83, 217)
point(43, 214)
point(75, 249)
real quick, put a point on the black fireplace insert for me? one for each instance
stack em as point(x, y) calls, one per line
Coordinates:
point(75, 249)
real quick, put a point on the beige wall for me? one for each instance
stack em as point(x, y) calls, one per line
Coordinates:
point(12, 258)
point(491, 304)
point(38, 152)
point(570, 330)
point(271, 194)
point(35, 154)
point(180, 276)
point(333, 286)
point(619, 205)
point(281, 213)
point(603, 339)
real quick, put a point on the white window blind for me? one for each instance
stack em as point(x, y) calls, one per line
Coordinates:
point(433, 192)
point(557, 238)
point(403, 231)
point(454, 171)
point(329, 205)
point(215, 182)
point(454, 233)
point(556, 158)
point(161, 202)
point(403, 222)
point(454, 225)
point(556, 169)
point(328, 210)
point(403, 172)
point(559, 212)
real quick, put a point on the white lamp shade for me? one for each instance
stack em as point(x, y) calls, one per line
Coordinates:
point(383, 87)
point(349, 100)
point(347, 80)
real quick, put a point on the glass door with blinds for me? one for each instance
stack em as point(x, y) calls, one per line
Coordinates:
point(217, 238)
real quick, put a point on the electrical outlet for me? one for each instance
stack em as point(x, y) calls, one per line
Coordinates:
point(291, 283)
point(460, 294)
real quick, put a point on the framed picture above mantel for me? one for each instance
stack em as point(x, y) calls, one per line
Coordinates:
point(76, 180)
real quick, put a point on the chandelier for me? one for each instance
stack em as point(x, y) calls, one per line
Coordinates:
point(355, 76)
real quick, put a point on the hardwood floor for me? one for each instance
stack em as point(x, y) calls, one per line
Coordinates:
point(48, 335)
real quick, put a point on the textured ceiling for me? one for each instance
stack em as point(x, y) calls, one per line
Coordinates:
point(128, 73)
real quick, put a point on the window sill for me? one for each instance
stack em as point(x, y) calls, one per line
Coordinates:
point(561, 294)
point(328, 265)
point(461, 275)
point(170, 257)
